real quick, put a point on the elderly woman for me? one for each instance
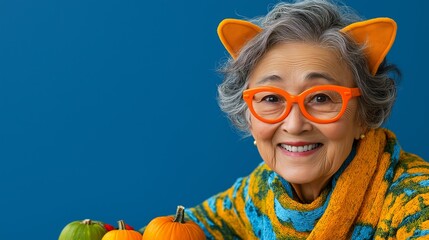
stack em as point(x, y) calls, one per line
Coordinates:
point(310, 83)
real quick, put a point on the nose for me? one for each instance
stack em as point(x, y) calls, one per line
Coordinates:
point(296, 123)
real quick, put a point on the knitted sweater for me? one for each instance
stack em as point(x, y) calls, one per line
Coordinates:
point(380, 192)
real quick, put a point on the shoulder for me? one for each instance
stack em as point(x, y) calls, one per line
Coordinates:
point(257, 184)
point(406, 206)
point(411, 177)
point(411, 170)
point(243, 185)
point(260, 176)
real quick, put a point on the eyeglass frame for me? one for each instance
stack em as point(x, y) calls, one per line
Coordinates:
point(345, 92)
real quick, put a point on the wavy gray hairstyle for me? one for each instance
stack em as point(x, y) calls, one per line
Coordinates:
point(313, 21)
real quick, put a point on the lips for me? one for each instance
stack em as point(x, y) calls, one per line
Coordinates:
point(300, 148)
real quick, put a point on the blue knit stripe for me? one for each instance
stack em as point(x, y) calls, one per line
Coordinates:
point(286, 186)
point(227, 204)
point(362, 232)
point(419, 233)
point(412, 218)
point(237, 185)
point(394, 158)
point(302, 221)
point(409, 192)
point(404, 176)
point(193, 218)
point(212, 203)
point(424, 183)
point(246, 188)
point(261, 225)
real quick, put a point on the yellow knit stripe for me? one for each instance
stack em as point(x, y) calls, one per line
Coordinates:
point(372, 205)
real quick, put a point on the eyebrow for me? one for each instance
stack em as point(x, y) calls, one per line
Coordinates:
point(271, 78)
point(315, 75)
point(310, 76)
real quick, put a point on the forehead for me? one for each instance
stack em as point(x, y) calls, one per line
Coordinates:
point(294, 61)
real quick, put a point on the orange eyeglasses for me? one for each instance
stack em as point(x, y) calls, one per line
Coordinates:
point(320, 104)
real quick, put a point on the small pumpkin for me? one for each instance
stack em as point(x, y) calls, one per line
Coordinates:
point(83, 230)
point(122, 233)
point(173, 228)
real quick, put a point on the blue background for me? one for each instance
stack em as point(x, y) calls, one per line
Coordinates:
point(108, 108)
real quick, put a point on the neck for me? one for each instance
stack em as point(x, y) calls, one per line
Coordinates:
point(307, 193)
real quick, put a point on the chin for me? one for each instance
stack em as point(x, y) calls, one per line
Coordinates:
point(296, 176)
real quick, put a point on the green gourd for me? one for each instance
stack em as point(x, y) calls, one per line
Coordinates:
point(83, 230)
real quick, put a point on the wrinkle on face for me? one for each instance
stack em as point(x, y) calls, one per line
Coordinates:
point(296, 67)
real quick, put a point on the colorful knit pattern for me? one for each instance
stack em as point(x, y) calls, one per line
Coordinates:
point(380, 192)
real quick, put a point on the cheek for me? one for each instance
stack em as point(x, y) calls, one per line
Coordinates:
point(262, 131)
point(340, 137)
point(338, 133)
point(344, 129)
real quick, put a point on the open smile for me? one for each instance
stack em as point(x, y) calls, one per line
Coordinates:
point(301, 148)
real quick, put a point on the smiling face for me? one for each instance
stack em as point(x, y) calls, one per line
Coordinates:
point(305, 153)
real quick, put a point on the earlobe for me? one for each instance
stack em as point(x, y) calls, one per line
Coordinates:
point(360, 132)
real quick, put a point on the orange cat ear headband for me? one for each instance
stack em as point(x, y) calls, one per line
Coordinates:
point(378, 34)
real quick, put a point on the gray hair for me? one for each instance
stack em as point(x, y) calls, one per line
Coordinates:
point(313, 21)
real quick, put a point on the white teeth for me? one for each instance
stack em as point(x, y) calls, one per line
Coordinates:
point(300, 148)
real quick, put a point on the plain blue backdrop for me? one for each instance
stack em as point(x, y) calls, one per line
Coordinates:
point(108, 108)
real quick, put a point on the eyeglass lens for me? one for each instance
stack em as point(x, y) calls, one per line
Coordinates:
point(321, 104)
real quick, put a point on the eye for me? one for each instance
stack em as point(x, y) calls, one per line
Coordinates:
point(271, 98)
point(320, 98)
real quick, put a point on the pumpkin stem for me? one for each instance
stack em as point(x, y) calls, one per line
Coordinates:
point(121, 225)
point(87, 221)
point(180, 214)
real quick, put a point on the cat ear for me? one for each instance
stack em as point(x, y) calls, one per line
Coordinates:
point(234, 34)
point(377, 34)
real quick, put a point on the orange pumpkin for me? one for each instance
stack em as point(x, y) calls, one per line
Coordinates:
point(122, 233)
point(169, 228)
